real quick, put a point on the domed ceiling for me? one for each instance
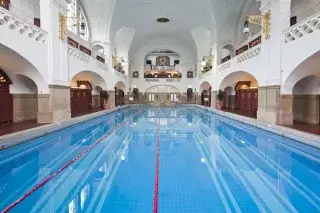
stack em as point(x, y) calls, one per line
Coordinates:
point(219, 17)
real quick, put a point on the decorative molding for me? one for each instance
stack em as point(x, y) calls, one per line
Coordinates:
point(78, 54)
point(25, 29)
point(305, 27)
point(251, 53)
point(224, 65)
point(152, 80)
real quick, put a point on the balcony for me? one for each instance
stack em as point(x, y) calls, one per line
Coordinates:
point(24, 38)
point(247, 56)
point(300, 42)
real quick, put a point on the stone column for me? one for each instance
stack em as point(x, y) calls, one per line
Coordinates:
point(111, 99)
point(268, 103)
point(285, 110)
point(25, 107)
point(126, 99)
point(54, 106)
point(213, 99)
point(198, 99)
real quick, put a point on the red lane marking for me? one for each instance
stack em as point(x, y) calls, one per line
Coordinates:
point(156, 182)
point(50, 177)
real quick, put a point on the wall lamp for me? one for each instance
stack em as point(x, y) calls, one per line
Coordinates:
point(263, 20)
point(63, 25)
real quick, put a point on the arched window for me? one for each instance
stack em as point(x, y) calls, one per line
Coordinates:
point(72, 13)
point(76, 25)
point(83, 20)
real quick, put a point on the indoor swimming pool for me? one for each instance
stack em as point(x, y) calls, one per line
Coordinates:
point(167, 160)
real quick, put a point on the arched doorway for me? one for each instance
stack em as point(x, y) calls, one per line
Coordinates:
point(302, 85)
point(240, 93)
point(205, 91)
point(119, 97)
point(120, 89)
point(306, 100)
point(6, 103)
point(162, 94)
point(86, 93)
point(206, 97)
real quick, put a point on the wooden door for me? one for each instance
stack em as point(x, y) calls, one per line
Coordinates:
point(237, 99)
point(248, 100)
point(6, 104)
point(242, 99)
point(254, 100)
point(224, 100)
point(101, 100)
point(36, 21)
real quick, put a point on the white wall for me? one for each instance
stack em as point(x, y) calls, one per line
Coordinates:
point(187, 55)
point(153, 57)
point(26, 9)
point(162, 89)
point(309, 85)
point(304, 8)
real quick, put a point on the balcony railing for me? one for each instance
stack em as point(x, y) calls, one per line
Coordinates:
point(77, 53)
point(308, 26)
point(9, 19)
point(162, 75)
point(158, 80)
point(249, 49)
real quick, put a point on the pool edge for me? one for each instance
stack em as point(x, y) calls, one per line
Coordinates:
point(293, 134)
point(16, 138)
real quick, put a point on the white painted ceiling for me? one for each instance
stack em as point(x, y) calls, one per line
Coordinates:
point(221, 18)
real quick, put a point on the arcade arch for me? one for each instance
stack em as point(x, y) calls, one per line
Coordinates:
point(240, 93)
point(86, 92)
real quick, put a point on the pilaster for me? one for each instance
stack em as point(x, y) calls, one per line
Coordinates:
point(268, 104)
point(111, 99)
point(50, 11)
point(271, 48)
point(213, 99)
point(286, 110)
point(55, 106)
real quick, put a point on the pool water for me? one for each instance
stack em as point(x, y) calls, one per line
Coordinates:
point(170, 160)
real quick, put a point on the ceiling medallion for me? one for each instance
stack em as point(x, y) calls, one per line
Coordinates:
point(163, 20)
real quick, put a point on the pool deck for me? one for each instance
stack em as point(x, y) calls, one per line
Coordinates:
point(8, 128)
point(294, 134)
point(34, 131)
point(305, 127)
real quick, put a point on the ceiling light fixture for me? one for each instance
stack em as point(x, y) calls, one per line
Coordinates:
point(163, 20)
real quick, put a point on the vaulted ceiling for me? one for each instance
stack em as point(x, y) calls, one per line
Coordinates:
point(219, 19)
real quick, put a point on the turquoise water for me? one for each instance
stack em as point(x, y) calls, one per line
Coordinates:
point(166, 160)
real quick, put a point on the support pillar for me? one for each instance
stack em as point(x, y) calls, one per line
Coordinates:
point(213, 99)
point(126, 99)
point(198, 99)
point(286, 110)
point(55, 106)
point(269, 104)
point(111, 99)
